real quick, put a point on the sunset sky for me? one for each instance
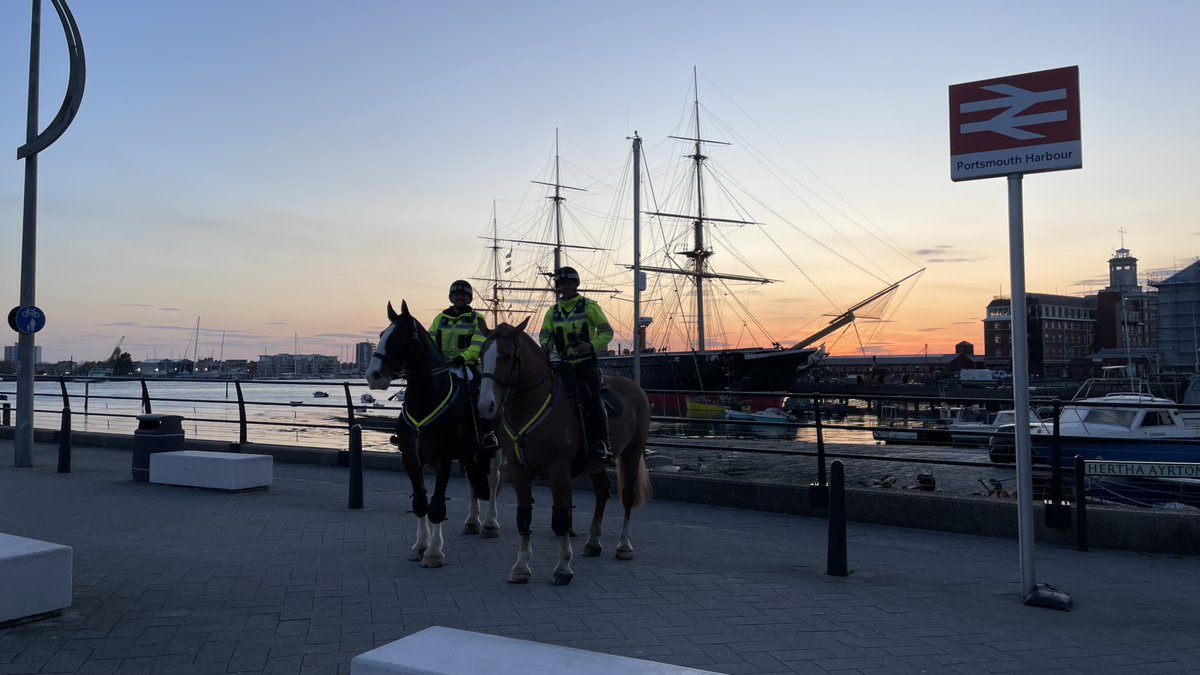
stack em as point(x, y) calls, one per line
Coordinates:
point(281, 170)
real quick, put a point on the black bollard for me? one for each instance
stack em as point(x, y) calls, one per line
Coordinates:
point(64, 443)
point(836, 553)
point(356, 474)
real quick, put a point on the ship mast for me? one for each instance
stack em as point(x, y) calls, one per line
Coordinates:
point(558, 198)
point(700, 253)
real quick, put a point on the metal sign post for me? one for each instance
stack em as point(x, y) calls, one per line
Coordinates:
point(34, 144)
point(1011, 126)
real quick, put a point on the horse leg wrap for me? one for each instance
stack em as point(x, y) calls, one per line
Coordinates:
point(437, 510)
point(524, 521)
point(560, 521)
point(420, 504)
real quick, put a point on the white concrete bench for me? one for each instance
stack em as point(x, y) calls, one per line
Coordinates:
point(448, 651)
point(217, 470)
point(35, 578)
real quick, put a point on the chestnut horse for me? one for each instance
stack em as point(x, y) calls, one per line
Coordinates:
point(436, 427)
point(541, 434)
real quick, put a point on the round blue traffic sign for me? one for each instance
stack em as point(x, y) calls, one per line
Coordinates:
point(28, 320)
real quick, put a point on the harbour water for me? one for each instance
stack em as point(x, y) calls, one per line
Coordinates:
point(287, 413)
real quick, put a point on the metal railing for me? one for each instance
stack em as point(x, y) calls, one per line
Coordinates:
point(815, 416)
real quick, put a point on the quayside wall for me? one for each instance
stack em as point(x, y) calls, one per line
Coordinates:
point(1161, 531)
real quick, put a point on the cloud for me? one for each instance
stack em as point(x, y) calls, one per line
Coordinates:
point(169, 309)
point(938, 254)
point(344, 336)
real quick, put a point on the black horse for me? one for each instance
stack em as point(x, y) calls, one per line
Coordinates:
point(436, 427)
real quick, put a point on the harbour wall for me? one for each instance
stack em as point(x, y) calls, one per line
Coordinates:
point(1160, 531)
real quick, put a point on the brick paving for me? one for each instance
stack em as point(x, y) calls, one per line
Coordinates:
point(288, 580)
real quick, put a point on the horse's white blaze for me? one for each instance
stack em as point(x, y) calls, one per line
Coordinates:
point(487, 388)
point(376, 379)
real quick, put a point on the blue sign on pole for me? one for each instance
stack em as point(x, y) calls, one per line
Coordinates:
point(28, 320)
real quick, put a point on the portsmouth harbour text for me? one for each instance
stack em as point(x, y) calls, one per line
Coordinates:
point(1014, 160)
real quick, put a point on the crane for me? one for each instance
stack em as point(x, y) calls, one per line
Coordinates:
point(116, 352)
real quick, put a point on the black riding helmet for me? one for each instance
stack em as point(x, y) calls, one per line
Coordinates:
point(461, 286)
point(565, 274)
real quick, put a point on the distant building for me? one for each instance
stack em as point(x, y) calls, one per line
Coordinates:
point(362, 356)
point(895, 369)
point(1178, 345)
point(10, 354)
point(1126, 315)
point(1060, 327)
point(297, 365)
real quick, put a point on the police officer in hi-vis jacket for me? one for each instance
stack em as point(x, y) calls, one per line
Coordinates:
point(577, 330)
point(458, 333)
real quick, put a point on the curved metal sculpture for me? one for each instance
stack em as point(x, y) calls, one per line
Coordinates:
point(75, 82)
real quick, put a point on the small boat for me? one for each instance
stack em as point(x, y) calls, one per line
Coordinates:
point(297, 402)
point(705, 410)
point(367, 398)
point(1119, 427)
point(978, 433)
point(320, 394)
point(896, 426)
point(768, 416)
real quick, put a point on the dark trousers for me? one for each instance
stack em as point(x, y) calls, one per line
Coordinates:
point(586, 376)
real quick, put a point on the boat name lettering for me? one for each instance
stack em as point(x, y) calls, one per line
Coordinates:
point(1141, 469)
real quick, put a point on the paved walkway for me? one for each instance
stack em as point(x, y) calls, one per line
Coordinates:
point(288, 580)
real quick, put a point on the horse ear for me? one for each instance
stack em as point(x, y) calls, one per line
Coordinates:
point(521, 326)
point(404, 308)
point(391, 312)
point(484, 330)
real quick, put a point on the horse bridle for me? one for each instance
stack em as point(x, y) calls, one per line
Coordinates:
point(399, 369)
point(513, 372)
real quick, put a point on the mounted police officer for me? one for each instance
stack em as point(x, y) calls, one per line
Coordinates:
point(577, 330)
point(458, 333)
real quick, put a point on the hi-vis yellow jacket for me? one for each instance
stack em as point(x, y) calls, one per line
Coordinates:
point(575, 320)
point(458, 335)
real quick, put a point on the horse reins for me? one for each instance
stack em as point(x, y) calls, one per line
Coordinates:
point(510, 387)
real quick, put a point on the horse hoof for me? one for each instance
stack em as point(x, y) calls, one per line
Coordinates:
point(624, 554)
point(562, 578)
point(470, 528)
point(593, 550)
point(490, 532)
point(522, 578)
point(432, 562)
point(416, 555)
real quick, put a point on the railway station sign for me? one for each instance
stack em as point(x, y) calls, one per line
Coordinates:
point(1016, 124)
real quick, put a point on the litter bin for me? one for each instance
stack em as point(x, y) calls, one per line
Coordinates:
point(154, 433)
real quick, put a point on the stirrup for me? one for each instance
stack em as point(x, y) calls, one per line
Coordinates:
point(601, 452)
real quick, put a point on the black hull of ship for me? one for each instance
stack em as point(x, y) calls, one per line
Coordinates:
point(718, 372)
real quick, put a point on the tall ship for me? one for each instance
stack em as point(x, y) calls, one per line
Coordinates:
point(686, 299)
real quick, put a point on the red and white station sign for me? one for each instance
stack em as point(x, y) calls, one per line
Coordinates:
point(1016, 124)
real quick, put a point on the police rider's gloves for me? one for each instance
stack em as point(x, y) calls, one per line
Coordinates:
point(458, 361)
point(582, 348)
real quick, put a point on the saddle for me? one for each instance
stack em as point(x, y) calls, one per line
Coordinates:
point(612, 404)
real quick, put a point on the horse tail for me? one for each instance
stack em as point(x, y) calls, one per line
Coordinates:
point(633, 479)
